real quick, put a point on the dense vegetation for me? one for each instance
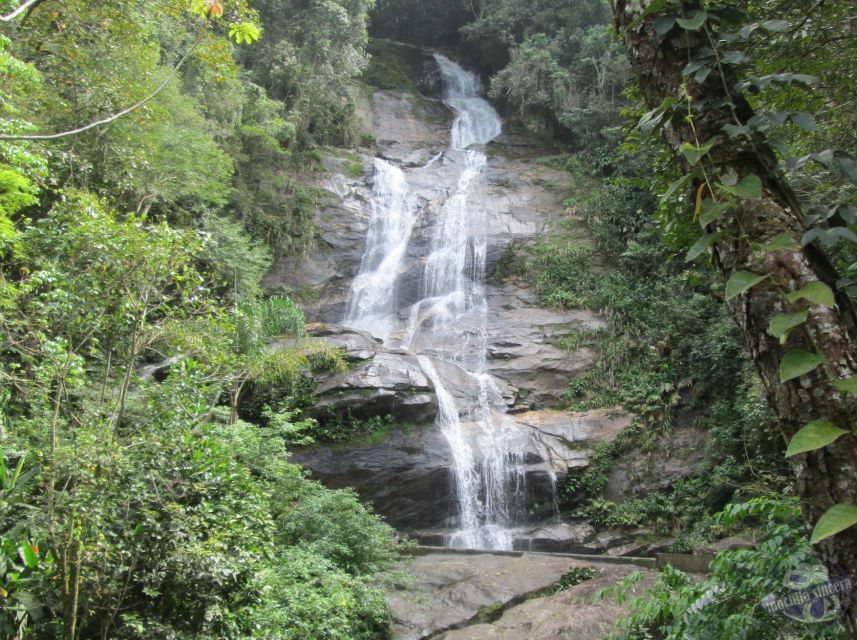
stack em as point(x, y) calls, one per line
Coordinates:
point(134, 503)
point(126, 486)
point(672, 354)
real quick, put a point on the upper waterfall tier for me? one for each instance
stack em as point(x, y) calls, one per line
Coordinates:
point(476, 121)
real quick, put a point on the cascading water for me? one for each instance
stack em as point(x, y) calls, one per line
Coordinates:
point(371, 305)
point(448, 324)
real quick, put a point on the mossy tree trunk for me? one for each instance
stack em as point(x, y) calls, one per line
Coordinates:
point(826, 476)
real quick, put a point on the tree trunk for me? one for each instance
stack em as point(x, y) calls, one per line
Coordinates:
point(829, 475)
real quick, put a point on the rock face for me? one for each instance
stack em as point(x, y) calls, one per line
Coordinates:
point(408, 475)
point(451, 592)
point(389, 383)
point(675, 456)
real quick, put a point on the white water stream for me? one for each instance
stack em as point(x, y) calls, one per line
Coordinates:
point(447, 326)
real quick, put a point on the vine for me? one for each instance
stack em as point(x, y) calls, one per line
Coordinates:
point(727, 33)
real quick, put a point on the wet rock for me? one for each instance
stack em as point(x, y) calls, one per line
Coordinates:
point(450, 589)
point(410, 130)
point(565, 439)
point(406, 477)
point(555, 537)
point(726, 544)
point(390, 383)
point(521, 338)
point(570, 613)
point(355, 344)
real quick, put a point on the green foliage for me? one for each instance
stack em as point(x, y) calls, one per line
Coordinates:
point(306, 61)
point(342, 427)
point(574, 577)
point(726, 604)
point(393, 66)
point(306, 596)
point(334, 524)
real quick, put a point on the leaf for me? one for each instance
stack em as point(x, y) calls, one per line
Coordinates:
point(654, 7)
point(847, 166)
point(815, 292)
point(846, 385)
point(694, 154)
point(747, 30)
point(30, 557)
point(778, 26)
point(735, 57)
point(782, 323)
point(749, 187)
point(815, 435)
point(741, 281)
point(693, 66)
point(711, 211)
point(803, 121)
point(782, 240)
point(698, 206)
point(838, 518)
point(651, 119)
point(701, 75)
point(798, 362)
point(675, 186)
point(663, 24)
point(693, 22)
point(733, 130)
point(829, 236)
point(702, 244)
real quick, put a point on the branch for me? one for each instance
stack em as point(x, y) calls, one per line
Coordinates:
point(11, 16)
point(115, 116)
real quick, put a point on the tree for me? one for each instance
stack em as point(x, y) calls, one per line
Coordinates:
point(752, 221)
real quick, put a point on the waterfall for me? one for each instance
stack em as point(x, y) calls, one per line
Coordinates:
point(371, 304)
point(448, 325)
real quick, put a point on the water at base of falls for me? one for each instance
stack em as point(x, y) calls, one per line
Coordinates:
point(447, 326)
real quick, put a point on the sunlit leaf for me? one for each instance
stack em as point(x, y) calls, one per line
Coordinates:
point(797, 362)
point(694, 154)
point(675, 186)
point(782, 323)
point(780, 241)
point(815, 435)
point(846, 385)
point(741, 281)
point(838, 518)
point(815, 292)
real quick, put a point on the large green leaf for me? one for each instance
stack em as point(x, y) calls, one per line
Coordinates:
point(815, 435)
point(702, 244)
point(749, 187)
point(782, 240)
point(740, 281)
point(29, 556)
point(675, 186)
point(694, 154)
point(711, 211)
point(782, 323)
point(846, 385)
point(694, 21)
point(815, 292)
point(847, 166)
point(663, 24)
point(803, 121)
point(838, 518)
point(798, 362)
